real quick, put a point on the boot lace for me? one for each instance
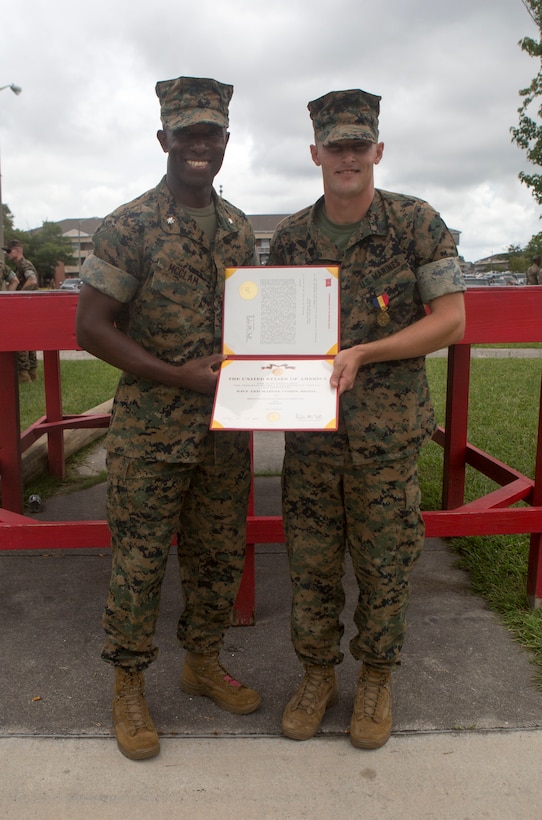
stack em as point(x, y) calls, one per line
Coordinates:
point(371, 691)
point(132, 698)
point(214, 668)
point(311, 687)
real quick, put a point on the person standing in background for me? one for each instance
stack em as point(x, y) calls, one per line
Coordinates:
point(534, 272)
point(25, 278)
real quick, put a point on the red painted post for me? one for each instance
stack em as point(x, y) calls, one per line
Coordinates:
point(455, 430)
point(53, 404)
point(534, 570)
point(10, 434)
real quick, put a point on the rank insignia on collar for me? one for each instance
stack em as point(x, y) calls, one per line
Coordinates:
point(170, 220)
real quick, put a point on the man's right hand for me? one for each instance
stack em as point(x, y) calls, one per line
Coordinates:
point(97, 332)
point(201, 375)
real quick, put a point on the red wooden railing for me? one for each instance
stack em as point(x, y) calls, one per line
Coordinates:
point(46, 321)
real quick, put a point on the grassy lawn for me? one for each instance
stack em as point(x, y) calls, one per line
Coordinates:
point(503, 415)
point(504, 400)
point(85, 384)
point(533, 345)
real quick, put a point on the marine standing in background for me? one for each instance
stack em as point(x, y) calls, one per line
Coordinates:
point(357, 488)
point(534, 272)
point(8, 276)
point(25, 278)
point(151, 305)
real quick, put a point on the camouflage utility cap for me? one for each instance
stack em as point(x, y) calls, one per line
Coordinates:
point(14, 243)
point(345, 115)
point(189, 100)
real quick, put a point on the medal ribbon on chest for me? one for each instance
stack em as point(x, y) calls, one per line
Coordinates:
point(381, 303)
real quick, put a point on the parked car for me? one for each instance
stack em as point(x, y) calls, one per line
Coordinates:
point(505, 280)
point(476, 282)
point(71, 285)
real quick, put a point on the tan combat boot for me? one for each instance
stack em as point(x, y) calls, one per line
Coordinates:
point(24, 377)
point(203, 675)
point(136, 736)
point(370, 726)
point(33, 373)
point(304, 712)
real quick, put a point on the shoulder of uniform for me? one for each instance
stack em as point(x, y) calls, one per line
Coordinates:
point(401, 199)
point(27, 265)
point(230, 213)
point(142, 205)
point(296, 220)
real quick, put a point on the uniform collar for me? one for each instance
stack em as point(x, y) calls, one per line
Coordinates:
point(174, 219)
point(374, 223)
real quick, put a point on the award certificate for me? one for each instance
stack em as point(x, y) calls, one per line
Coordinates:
point(280, 334)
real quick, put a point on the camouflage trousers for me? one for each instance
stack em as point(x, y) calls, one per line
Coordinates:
point(148, 503)
point(373, 511)
point(27, 360)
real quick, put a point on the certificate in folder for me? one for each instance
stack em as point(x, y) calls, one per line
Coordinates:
point(280, 336)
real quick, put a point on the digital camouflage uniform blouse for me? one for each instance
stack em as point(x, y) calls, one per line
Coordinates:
point(152, 256)
point(6, 274)
point(24, 269)
point(404, 253)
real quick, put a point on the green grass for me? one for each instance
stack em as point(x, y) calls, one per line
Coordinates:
point(503, 417)
point(85, 384)
point(503, 414)
point(533, 345)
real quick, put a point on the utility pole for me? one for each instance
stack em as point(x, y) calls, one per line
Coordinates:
point(16, 90)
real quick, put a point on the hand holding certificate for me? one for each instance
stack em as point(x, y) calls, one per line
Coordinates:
point(281, 333)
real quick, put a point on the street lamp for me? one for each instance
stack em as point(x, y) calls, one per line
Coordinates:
point(16, 90)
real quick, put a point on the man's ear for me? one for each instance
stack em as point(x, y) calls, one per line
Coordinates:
point(379, 152)
point(314, 155)
point(163, 140)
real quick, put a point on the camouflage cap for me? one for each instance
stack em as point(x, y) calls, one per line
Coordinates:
point(13, 243)
point(188, 100)
point(345, 115)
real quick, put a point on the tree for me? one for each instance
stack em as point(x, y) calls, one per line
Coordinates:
point(7, 222)
point(528, 134)
point(46, 247)
point(534, 247)
point(517, 260)
point(520, 258)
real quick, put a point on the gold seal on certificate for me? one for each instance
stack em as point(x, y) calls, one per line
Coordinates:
point(248, 290)
point(274, 416)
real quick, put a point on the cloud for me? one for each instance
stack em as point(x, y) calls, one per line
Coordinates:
point(80, 139)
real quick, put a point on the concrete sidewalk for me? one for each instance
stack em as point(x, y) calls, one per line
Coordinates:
point(467, 716)
point(435, 777)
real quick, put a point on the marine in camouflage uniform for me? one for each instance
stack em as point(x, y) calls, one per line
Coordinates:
point(9, 278)
point(357, 488)
point(158, 264)
point(534, 272)
point(24, 278)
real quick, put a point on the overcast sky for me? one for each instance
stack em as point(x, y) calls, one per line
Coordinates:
point(81, 138)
